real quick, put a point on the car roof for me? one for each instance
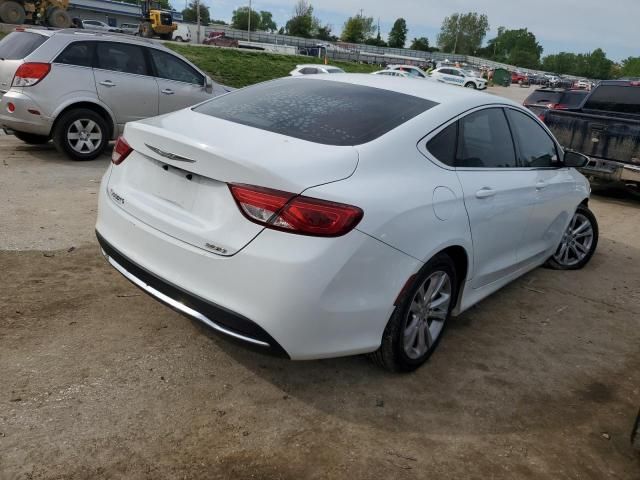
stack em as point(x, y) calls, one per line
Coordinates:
point(75, 32)
point(428, 90)
point(315, 65)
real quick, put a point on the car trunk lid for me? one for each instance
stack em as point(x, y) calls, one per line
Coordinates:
point(176, 180)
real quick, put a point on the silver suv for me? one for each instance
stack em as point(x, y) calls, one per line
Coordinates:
point(80, 88)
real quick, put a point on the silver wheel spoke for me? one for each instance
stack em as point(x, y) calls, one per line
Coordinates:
point(410, 335)
point(421, 346)
point(73, 136)
point(90, 125)
point(442, 299)
point(583, 249)
point(439, 283)
point(581, 228)
point(78, 125)
point(438, 314)
point(95, 136)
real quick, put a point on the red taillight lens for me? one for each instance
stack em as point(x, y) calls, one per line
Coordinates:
point(120, 151)
point(28, 74)
point(295, 214)
point(558, 106)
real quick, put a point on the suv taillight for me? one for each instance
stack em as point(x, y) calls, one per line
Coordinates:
point(120, 151)
point(293, 213)
point(30, 73)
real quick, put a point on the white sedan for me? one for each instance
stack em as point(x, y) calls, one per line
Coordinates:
point(341, 214)
point(458, 76)
point(392, 73)
point(313, 69)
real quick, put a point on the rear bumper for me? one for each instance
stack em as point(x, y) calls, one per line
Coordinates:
point(23, 120)
point(305, 297)
point(611, 171)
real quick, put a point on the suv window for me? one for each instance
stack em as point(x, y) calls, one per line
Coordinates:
point(18, 45)
point(535, 147)
point(77, 53)
point(169, 67)
point(615, 98)
point(485, 141)
point(308, 71)
point(320, 111)
point(443, 145)
point(121, 57)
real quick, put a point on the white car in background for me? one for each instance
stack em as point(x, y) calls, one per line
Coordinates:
point(412, 70)
point(182, 33)
point(392, 73)
point(274, 215)
point(458, 76)
point(99, 26)
point(314, 69)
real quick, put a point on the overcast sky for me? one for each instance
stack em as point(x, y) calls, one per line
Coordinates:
point(559, 25)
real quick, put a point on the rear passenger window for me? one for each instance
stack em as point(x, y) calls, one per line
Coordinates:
point(171, 68)
point(18, 45)
point(309, 71)
point(78, 53)
point(485, 141)
point(535, 147)
point(443, 145)
point(120, 57)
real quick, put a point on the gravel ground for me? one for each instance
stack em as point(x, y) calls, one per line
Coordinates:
point(541, 380)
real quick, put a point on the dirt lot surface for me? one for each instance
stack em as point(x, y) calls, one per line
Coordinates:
point(97, 380)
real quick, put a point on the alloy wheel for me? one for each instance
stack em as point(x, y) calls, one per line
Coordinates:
point(84, 136)
point(576, 242)
point(427, 314)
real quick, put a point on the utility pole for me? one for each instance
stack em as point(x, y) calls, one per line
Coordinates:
point(455, 43)
point(198, 21)
point(249, 23)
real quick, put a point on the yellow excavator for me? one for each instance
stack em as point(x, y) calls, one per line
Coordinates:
point(156, 22)
point(52, 13)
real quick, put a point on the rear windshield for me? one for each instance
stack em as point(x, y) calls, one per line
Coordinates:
point(573, 99)
point(615, 98)
point(543, 96)
point(326, 112)
point(335, 70)
point(18, 45)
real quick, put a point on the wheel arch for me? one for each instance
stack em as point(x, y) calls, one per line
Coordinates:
point(101, 110)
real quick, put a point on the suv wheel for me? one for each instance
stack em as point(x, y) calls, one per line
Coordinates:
point(578, 242)
point(31, 138)
point(416, 325)
point(470, 85)
point(81, 134)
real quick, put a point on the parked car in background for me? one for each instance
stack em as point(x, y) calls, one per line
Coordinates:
point(182, 33)
point(519, 77)
point(458, 76)
point(392, 73)
point(544, 99)
point(585, 84)
point(412, 70)
point(130, 28)
point(552, 80)
point(606, 128)
point(99, 26)
point(218, 39)
point(80, 88)
point(283, 193)
point(314, 69)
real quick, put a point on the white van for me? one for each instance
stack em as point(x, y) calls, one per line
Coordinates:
point(182, 33)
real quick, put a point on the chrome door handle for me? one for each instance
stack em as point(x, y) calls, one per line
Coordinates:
point(485, 193)
point(541, 185)
point(167, 91)
point(107, 83)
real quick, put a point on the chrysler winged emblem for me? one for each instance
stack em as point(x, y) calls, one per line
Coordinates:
point(169, 155)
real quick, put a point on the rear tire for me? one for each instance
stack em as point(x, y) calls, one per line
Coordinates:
point(81, 134)
point(178, 39)
point(578, 243)
point(58, 18)
point(31, 138)
point(166, 36)
point(12, 12)
point(470, 85)
point(421, 313)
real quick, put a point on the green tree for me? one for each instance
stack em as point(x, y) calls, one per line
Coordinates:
point(591, 65)
point(398, 33)
point(377, 40)
point(218, 22)
point(463, 33)
point(516, 47)
point(358, 29)
point(630, 67)
point(266, 22)
point(190, 14)
point(302, 23)
point(240, 19)
point(422, 44)
point(324, 33)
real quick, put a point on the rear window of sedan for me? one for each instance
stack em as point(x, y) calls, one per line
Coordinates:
point(319, 111)
point(18, 45)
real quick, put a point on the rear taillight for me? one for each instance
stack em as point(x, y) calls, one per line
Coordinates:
point(120, 151)
point(293, 213)
point(558, 106)
point(29, 74)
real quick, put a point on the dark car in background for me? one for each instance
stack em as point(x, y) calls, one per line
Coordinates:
point(543, 99)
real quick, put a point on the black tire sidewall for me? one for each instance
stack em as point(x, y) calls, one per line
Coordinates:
point(12, 5)
point(400, 316)
point(63, 124)
point(470, 85)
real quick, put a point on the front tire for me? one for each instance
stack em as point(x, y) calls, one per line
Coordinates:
point(178, 39)
point(578, 243)
point(470, 85)
point(418, 321)
point(31, 138)
point(81, 134)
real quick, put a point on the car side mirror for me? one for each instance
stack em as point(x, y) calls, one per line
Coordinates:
point(208, 85)
point(575, 159)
